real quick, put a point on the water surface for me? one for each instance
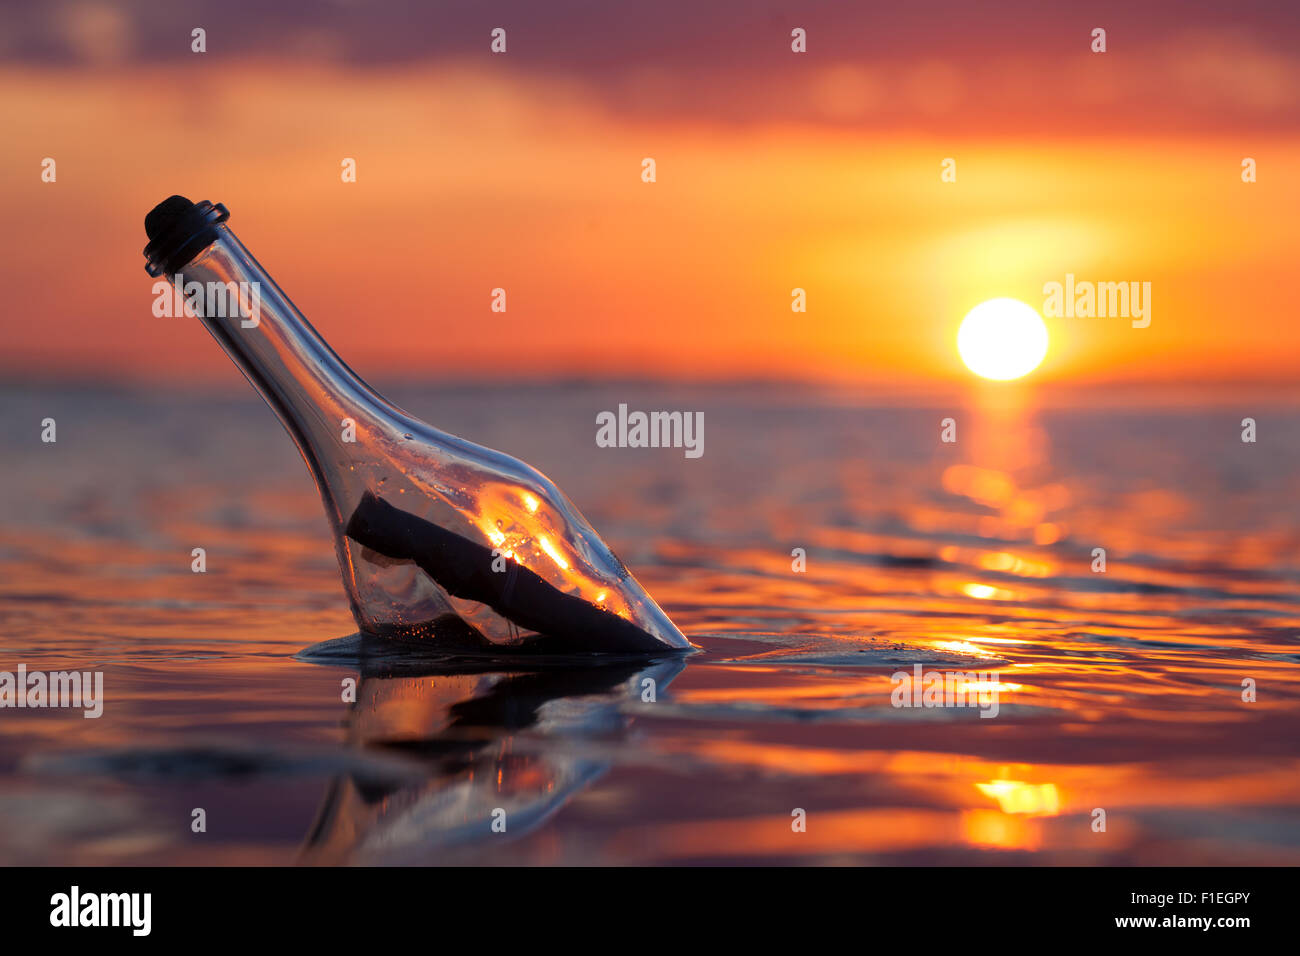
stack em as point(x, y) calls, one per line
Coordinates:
point(1119, 690)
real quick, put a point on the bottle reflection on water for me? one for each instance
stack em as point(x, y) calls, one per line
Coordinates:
point(499, 753)
point(437, 538)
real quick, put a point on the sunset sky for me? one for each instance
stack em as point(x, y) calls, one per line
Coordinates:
point(775, 170)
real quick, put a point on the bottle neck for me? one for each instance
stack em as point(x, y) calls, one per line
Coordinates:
point(320, 401)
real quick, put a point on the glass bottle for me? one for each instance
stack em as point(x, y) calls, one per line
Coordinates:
point(438, 539)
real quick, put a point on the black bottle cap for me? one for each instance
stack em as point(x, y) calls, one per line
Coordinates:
point(179, 230)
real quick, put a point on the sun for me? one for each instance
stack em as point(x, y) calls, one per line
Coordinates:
point(1002, 339)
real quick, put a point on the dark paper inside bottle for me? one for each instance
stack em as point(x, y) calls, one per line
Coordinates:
point(465, 569)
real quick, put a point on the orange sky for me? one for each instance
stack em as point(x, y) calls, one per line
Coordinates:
point(470, 178)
